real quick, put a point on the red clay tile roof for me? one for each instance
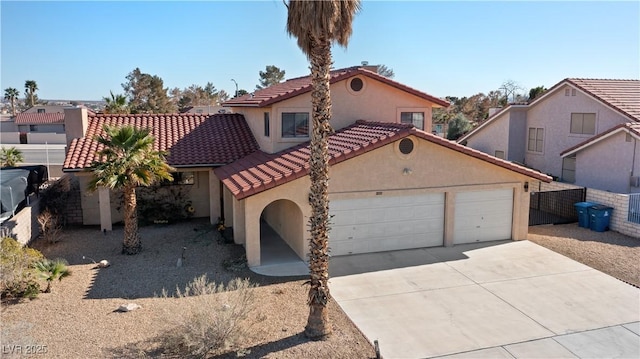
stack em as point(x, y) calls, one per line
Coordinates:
point(39, 118)
point(632, 127)
point(622, 95)
point(260, 171)
point(300, 85)
point(190, 139)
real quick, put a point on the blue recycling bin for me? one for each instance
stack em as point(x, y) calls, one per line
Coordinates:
point(599, 217)
point(583, 213)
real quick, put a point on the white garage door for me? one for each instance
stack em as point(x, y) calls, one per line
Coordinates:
point(386, 223)
point(483, 216)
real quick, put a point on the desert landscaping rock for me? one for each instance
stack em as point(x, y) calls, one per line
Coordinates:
point(128, 307)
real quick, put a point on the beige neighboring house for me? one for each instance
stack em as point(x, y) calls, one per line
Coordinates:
point(393, 185)
point(580, 131)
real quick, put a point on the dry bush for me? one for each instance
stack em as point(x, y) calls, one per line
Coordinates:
point(17, 274)
point(212, 318)
point(50, 227)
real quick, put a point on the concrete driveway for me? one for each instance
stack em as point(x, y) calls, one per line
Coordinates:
point(498, 300)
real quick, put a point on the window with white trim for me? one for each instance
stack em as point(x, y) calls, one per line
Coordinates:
point(536, 139)
point(583, 123)
point(415, 118)
point(295, 124)
point(569, 169)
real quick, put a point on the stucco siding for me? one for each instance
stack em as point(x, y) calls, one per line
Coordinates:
point(495, 136)
point(608, 165)
point(430, 168)
point(517, 135)
point(376, 102)
point(553, 114)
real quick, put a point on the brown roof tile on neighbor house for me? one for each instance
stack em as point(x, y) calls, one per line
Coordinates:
point(622, 95)
point(34, 118)
point(297, 86)
point(260, 171)
point(190, 139)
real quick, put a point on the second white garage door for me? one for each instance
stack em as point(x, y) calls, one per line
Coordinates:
point(483, 216)
point(379, 224)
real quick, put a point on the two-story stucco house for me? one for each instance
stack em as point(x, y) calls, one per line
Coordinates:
point(393, 185)
point(566, 133)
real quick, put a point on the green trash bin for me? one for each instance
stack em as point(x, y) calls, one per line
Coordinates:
point(599, 217)
point(583, 213)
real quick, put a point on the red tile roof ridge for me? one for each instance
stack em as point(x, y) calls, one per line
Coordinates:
point(338, 151)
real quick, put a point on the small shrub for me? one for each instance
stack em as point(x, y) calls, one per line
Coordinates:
point(51, 270)
point(213, 318)
point(17, 273)
point(50, 226)
point(55, 196)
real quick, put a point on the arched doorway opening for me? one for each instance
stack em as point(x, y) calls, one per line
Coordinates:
point(281, 233)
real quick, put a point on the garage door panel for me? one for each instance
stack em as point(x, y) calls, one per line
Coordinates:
point(386, 223)
point(483, 216)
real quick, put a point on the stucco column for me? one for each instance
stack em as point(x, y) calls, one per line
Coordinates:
point(520, 222)
point(449, 217)
point(252, 240)
point(214, 197)
point(105, 209)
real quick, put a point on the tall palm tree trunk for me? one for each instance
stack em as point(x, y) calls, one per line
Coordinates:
point(318, 325)
point(131, 243)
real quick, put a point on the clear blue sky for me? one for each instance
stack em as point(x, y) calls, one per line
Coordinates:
point(82, 50)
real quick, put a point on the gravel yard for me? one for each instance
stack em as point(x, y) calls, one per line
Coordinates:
point(77, 320)
point(609, 252)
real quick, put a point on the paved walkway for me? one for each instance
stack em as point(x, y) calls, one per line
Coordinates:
point(497, 300)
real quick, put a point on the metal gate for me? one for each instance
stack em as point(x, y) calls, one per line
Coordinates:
point(555, 207)
point(634, 208)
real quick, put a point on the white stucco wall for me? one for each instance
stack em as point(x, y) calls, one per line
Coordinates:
point(608, 165)
point(553, 114)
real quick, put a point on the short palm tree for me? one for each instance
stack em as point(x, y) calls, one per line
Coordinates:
point(51, 270)
point(316, 25)
point(128, 160)
point(11, 94)
point(9, 157)
point(116, 104)
point(31, 87)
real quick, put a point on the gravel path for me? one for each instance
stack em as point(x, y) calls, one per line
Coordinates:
point(609, 252)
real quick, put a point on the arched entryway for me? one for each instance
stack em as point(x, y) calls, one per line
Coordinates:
point(282, 237)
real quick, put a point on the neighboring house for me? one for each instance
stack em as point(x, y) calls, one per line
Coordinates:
point(572, 113)
point(608, 161)
point(393, 185)
point(40, 122)
point(205, 110)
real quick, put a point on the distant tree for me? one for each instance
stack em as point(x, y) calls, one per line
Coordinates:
point(510, 90)
point(116, 104)
point(536, 91)
point(127, 161)
point(223, 96)
point(385, 71)
point(242, 92)
point(30, 88)
point(458, 126)
point(9, 157)
point(11, 94)
point(271, 76)
point(146, 93)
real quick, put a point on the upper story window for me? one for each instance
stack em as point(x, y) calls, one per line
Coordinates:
point(295, 124)
point(536, 139)
point(267, 131)
point(41, 110)
point(416, 118)
point(583, 123)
